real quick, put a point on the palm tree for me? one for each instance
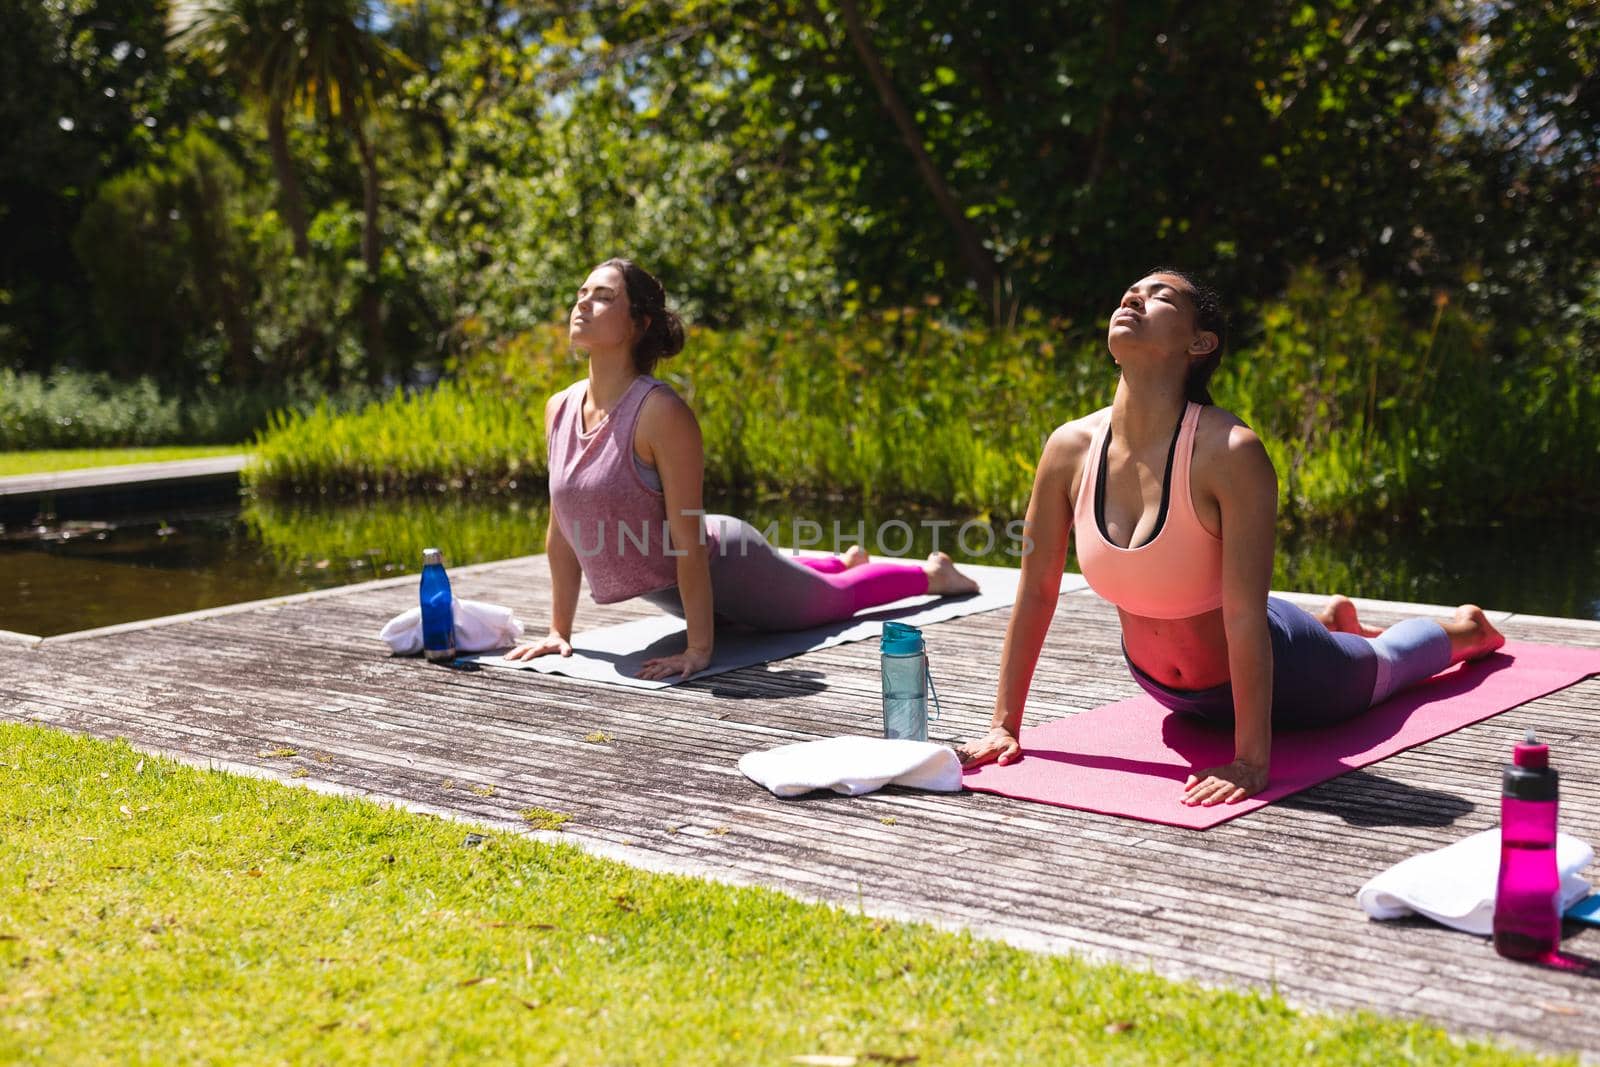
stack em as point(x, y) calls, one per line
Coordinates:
point(246, 42)
point(317, 56)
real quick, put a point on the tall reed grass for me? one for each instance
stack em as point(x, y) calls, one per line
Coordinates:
point(1363, 414)
point(909, 408)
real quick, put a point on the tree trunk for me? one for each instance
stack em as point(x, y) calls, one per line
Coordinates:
point(371, 251)
point(979, 263)
point(294, 208)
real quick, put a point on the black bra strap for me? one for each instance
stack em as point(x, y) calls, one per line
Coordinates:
point(1166, 484)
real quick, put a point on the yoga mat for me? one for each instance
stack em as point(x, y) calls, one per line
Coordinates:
point(1131, 758)
point(613, 654)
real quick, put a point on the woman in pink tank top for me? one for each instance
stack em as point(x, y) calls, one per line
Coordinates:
point(1172, 504)
point(626, 473)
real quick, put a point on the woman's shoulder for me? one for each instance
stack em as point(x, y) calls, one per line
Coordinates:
point(560, 399)
point(659, 394)
point(1064, 451)
point(1073, 438)
point(1223, 429)
point(560, 396)
point(656, 389)
point(663, 409)
point(1227, 441)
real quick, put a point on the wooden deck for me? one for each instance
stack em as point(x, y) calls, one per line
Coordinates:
point(1263, 901)
point(23, 495)
point(142, 475)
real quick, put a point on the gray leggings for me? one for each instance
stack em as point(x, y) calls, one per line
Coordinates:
point(756, 585)
point(1320, 678)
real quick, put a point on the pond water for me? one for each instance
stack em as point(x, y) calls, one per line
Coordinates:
point(75, 576)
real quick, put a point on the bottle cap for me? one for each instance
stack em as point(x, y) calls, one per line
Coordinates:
point(1529, 776)
point(431, 556)
point(900, 640)
point(1531, 753)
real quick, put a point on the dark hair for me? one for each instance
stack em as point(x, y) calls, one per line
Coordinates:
point(647, 299)
point(1209, 316)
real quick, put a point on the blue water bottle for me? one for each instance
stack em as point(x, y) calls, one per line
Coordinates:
point(438, 613)
point(907, 682)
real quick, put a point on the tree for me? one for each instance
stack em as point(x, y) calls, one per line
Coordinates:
point(256, 45)
point(170, 268)
point(978, 261)
point(1088, 139)
point(87, 93)
point(321, 57)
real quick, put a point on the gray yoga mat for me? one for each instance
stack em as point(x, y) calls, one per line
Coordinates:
point(614, 654)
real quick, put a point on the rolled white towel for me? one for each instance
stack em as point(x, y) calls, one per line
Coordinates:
point(1455, 885)
point(480, 627)
point(854, 765)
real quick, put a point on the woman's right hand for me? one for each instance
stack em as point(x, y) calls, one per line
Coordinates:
point(999, 745)
point(553, 642)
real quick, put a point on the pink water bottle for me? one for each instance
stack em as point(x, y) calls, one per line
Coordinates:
point(1527, 909)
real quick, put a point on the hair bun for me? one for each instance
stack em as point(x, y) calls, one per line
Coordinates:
point(667, 329)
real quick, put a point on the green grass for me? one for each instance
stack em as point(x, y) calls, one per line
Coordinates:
point(151, 912)
point(74, 459)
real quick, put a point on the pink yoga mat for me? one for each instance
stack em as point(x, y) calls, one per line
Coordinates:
point(1131, 758)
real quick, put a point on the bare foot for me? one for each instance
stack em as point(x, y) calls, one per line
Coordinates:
point(1472, 636)
point(944, 579)
point(1340, 617)
point(854, 556)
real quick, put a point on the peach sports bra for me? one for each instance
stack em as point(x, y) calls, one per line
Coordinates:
point(1177, 572)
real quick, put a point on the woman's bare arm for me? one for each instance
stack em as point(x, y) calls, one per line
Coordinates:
point(1048, 524)
point(566, 573)
point(670, 433)
point(1246, 489)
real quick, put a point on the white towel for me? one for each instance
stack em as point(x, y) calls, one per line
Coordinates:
point(479, 628)
point(1455, 885)
point(854, 765)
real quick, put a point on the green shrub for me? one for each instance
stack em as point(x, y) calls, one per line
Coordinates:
point(72, 409)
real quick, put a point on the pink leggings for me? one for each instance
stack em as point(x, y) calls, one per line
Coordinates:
point(756, 585)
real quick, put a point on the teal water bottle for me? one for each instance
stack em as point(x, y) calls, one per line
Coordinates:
point(438, 611)
point(907, 682)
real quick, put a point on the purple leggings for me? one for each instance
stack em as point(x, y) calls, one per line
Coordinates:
point(756, 585)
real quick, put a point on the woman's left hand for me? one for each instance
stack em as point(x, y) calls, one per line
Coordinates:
point(1228, 784)
point(683, 664)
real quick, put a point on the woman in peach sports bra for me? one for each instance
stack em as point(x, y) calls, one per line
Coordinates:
point(1173, 505)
